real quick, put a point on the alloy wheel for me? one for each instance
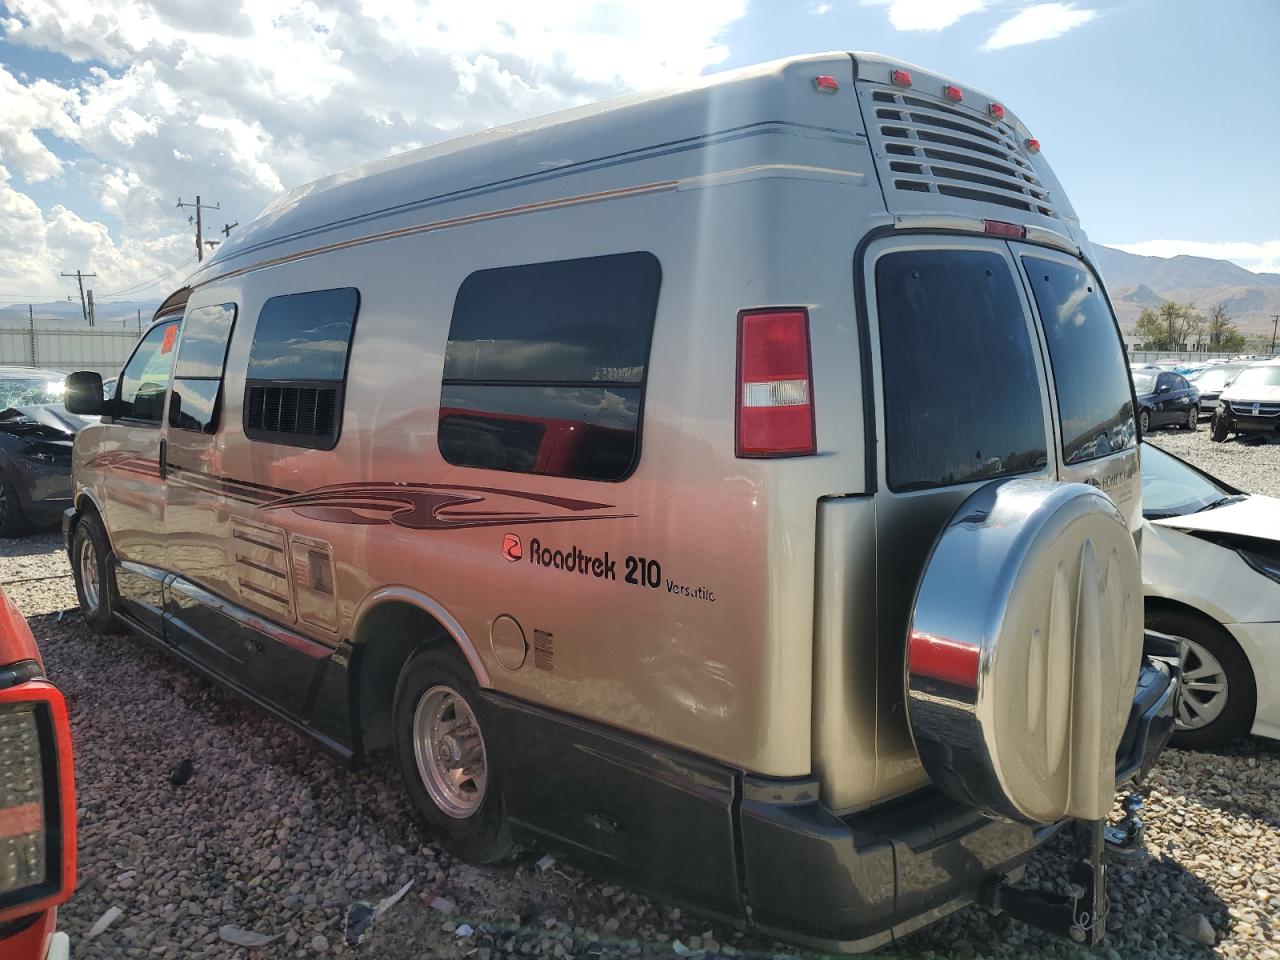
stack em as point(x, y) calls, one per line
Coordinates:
point(450, 753)
point(1203, 696)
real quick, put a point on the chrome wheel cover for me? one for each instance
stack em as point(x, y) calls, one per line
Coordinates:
point(449, 750)
point(88, 563)
point(1203, 695)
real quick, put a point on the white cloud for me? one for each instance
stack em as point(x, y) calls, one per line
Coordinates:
point(1044, 21)
point(819, 9)
point(238, 101)
point(926, 14)
point(1261, 257)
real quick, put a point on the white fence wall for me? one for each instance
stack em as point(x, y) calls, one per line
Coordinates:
point(102, 350)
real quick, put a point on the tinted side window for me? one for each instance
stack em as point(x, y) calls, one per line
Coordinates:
point(304, 336)
point(145, 379)
point(962, 399)
point(1088, 361)
point(197, 377)
point(298, 368)
point(545, 366)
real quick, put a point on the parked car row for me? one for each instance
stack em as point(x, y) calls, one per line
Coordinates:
point(1238, 397)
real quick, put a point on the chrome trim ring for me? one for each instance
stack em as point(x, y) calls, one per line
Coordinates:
point(449, 751)
point(1204, 692)
point(88, 564)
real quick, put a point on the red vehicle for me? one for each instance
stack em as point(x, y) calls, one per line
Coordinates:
point(37, 798)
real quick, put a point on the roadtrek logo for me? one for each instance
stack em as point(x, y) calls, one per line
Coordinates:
point(511, 549)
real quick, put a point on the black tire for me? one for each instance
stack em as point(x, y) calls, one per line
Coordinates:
point(1193, 420)
point(1236, 718)
point(1144, 422)
point(99, 613)
point(481, 836)
point(1219, 428)
point(13, 519)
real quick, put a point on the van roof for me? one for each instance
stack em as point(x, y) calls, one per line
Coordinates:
point(589, 137)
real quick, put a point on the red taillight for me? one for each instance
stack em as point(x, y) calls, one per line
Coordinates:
point(825, 84)
point(37, 801)
point(953, 93)
point(775, 384)
point(997, 111)
point(900, 78)
point(1033, 146)
point(998, 228)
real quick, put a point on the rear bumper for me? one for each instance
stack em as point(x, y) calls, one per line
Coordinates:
point(854, 883)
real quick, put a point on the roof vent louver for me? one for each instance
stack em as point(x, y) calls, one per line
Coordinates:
point(953, 152)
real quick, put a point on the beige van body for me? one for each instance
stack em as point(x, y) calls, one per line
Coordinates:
point(748, 614)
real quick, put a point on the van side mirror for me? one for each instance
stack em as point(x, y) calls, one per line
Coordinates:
point(1163, 388)
point(83, 394)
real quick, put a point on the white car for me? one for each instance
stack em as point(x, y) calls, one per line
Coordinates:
point(1211, 574)
point(1250, 403)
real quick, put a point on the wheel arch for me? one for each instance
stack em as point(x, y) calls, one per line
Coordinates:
point(84, 501)
point(390, 626)
point(1155, 604)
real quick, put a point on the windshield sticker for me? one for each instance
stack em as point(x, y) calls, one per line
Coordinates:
point(170, 335)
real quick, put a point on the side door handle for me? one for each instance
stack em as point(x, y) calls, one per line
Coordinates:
point(164, 459)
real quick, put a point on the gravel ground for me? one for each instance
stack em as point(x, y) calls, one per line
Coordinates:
point(272, 836)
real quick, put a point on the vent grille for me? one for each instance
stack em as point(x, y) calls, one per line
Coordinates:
point(935, 148)
point(293, 411)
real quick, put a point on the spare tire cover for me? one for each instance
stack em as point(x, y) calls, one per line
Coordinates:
point(1024, 648)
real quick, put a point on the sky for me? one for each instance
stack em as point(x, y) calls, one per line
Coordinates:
point(1160, 117)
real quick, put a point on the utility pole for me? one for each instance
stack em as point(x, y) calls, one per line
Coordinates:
point(31, 319)
point(1275, 320)
point(199, 221)
point(90, 294)
point(226, 228)
point(84, 308)
point(139, 321)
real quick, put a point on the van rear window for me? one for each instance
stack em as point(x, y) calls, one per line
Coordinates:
point(545, 366)
point(962, 398)
point(1088, 361)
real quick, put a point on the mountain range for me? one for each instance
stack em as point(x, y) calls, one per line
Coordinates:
point(1136, 282)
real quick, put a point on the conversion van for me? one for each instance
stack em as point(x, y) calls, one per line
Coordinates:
point(734, 486)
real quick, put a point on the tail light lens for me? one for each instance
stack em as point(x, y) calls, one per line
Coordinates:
point(37, 800)
point(900, 78)
point(775, 384)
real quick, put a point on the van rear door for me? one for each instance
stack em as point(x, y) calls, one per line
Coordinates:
point(961, 398)
point(1093, 396)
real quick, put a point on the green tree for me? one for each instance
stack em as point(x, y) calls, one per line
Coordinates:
point(1224, 335)
point(1173, 327)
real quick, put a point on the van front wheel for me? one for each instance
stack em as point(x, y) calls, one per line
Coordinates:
point(92, 570)
point(447, 768)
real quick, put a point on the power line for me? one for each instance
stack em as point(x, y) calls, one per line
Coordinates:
point(143, 284)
